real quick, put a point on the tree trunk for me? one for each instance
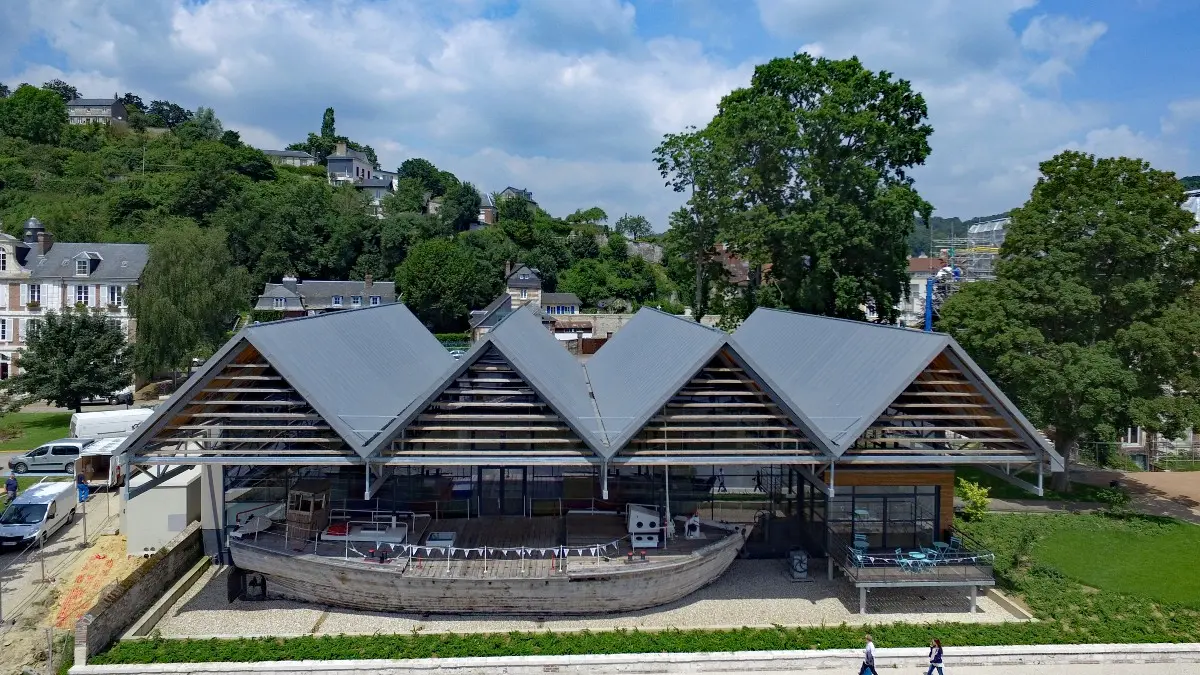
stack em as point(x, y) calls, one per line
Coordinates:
point(1068, 447)
point(699, 303)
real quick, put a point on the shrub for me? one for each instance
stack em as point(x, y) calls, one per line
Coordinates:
point(1114, 498)
point(975, 498)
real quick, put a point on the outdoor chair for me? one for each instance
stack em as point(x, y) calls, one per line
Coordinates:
point(903, 561)
point(955, 545)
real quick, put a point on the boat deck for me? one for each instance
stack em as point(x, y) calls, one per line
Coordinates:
point(501, 547)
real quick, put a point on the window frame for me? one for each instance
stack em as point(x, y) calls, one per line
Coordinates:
point(31, 291)
point(84, 291)
point(279, 303)
point(116, 295)
point(356, 301)
point(85, 265)
point(336, 301)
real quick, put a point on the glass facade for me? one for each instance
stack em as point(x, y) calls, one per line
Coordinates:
point(889, 516)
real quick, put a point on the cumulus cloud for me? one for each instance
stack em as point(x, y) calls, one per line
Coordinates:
point(568, 97)
point(1181, 115)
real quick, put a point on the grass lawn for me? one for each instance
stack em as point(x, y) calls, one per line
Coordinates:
point(37, 428)
point(1001, 489)
point(1151, 560)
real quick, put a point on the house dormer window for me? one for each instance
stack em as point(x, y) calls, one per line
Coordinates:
point(82, 267)
point(375, 300)
point(280, 303)
point(524, 293)
point(337, 301)
point(3, 260)
point(356, 301)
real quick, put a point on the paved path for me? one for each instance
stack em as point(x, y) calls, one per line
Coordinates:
point(21, 571)
point(1089, 669)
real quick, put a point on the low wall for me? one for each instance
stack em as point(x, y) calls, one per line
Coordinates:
point(832, 660)
point(121, 604)
point(603, 324)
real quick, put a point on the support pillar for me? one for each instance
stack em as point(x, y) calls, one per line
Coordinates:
point(862, 600)
point(212, 512)
point(829, 564)
point(974, 599)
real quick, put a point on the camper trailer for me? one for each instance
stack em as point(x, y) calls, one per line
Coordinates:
point(37, 513)
point(108, 423)
point(99, 464)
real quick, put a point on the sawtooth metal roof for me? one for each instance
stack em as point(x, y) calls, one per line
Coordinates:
point(535, 355)
point(359, 369)
point(369, 372)
point(842, 374)
point(643, 365)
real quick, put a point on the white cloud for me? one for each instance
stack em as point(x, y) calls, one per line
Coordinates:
point(1181, 115)
point(991, 88)
point(564, 97)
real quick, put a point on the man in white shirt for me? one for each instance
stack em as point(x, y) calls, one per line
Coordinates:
point(868, 665)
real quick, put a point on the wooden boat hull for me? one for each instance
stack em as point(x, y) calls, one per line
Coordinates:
point(584, 590)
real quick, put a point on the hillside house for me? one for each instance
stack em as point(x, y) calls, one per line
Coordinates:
point(295, 298)
point(98, 110)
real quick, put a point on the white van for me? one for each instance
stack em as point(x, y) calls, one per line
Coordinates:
point(108, 423)
point(99, 466)
point(37, 513)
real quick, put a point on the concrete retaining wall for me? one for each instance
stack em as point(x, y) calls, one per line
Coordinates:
point(122, 604)
point(837, 660)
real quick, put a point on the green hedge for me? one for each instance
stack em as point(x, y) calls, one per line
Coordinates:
point(417, 646)
point(453, 337)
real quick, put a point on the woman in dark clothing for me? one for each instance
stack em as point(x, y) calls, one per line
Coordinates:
point(935, 657)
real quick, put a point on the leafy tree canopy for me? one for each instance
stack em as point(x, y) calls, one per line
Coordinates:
point(1190, 182)
point(1093, 323)
point(36, 115)
point(3, 90)
point(66, 91)
point(191, 292)
point(818, 154)
point(167, 114)
point(441, 283)
point(636, 228)
point(72, 356)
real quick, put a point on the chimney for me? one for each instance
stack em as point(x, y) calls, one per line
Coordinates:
point(289, 282)
point(340, 148)
point(45, 240)
point(33, 227)
point(367, 283)
point(507, 269)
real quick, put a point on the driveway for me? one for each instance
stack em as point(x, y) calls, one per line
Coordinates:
point(1161, 493)
point(21, 570)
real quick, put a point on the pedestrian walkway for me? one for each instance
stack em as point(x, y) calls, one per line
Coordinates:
point(1168, 494)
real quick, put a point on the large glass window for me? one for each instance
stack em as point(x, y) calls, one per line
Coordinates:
point(888, 516)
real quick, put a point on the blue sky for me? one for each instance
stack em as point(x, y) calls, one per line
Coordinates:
point(568, 97)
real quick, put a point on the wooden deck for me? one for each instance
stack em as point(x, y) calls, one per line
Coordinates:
point(963, 575)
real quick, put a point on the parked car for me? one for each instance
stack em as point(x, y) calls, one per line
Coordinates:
point(59, 455)
point(123, 397)
point(37, 513)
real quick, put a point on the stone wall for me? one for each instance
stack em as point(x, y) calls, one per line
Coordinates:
point(121, 604)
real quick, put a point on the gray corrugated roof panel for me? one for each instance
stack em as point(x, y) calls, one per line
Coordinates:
point(841, 374)
point(551, 370)
point(91, 102)
point(643, 365)
point(117, 262)
point(359, 369)
point(288, 153)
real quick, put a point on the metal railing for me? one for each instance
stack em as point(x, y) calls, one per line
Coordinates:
point(962, 560)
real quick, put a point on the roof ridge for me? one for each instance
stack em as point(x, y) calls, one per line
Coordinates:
point(846, 320)
point(293, 319)
point(686, 318)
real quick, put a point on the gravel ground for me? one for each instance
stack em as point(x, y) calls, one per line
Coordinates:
point(751, 593)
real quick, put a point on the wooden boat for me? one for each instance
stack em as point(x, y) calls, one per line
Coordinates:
point(487, 579)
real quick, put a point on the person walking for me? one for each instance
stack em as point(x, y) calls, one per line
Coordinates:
point(82, 486)
point(868, 665)
point(935, 657)
point(10, 486)
point(721, 481)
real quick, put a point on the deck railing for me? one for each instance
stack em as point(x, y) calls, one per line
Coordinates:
point(963, 560)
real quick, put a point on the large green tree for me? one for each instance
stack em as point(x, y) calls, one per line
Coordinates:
point(819, 155)
point(67, 92)
point(633, 227)
point(189, 296)
point(695, 164)
point(441, 282)
point(1093, 323)
point(36, 115)
point(1190, 182)
point(73, 355)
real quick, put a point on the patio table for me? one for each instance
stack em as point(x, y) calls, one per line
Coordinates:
point(916, 555)
point(941, 546)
